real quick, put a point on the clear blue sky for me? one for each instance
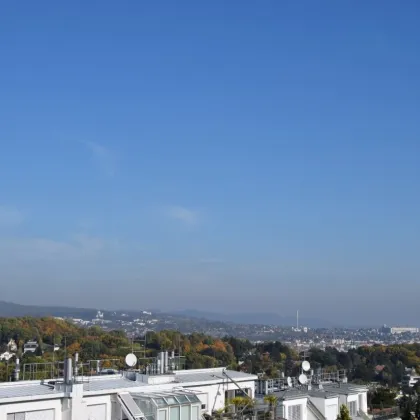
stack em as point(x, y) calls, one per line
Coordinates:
point(218, 155)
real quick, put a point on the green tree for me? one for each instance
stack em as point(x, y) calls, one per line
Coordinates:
point(219, 412)
point(406, 413)
point(344, 413)
point(417, 408)
point(407, 406)
point(272, 405)
point(241, 403)
point(383, 397)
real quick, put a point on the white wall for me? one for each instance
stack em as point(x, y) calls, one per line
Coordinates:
point(75, 408)
point(218, 401)
point(342, 399)
point(32, 406)
point(332, 408)
point(353, 397)
point(329, 407)
point(298, 401)
point(311, 416)
point(319, 404)
point(105, 400)
point(363, 402)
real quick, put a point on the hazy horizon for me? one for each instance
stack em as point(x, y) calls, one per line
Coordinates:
point(238, 317)
point(216, 156)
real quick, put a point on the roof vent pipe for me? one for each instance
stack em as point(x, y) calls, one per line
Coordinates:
point(76, 361)
point(17, 369)
point(166, 362)
point(162, 362)
point(68, 371)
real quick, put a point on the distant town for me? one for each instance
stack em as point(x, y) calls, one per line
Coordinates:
point(299, 337)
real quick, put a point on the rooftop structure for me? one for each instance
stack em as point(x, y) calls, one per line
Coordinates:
point(410, 380)
point(132, 395)
point(400, 330)
point(315, 395)
point(164, 394)
point(30, 346)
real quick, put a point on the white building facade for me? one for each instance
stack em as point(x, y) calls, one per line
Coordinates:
point(184, 395)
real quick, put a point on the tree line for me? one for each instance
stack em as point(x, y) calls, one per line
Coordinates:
point(383, 364)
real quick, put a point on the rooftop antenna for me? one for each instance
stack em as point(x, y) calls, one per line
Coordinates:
point(131, 360)
point(303, 379)
point(306, 366)
point(142, 349)
point(297, 319)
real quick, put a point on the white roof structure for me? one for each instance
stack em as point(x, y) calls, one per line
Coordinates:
point(112, 397)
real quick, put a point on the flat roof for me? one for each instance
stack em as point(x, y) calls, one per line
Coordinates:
point(210, 375)
point(344, 389)
point(291, 394)
point(16, 390)
point(103, 384)
point(321, 393)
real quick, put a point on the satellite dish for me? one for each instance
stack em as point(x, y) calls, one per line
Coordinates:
point(303, 379)
point(289, 381)
point(131, 360)
point(306, 365)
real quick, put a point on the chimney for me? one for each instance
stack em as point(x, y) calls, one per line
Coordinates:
point(68, 371)
point(17, 369)
point(166, 362)
point(162, 362)
point(76, 361)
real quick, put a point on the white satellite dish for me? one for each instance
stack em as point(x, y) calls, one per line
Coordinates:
point(306, 365)
point(289, 381)
point(131, 360)
point(303, 379)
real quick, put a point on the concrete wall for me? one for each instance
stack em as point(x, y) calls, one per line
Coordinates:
point(6, 409)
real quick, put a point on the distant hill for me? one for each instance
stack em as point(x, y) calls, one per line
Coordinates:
point(8, 309)
point(263, 318)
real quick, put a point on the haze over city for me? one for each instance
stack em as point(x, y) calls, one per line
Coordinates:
point(230, 157)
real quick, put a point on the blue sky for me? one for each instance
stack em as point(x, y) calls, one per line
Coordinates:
point(226, 156)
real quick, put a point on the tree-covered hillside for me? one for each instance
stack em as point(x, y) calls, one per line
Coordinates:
point(93, 343)
point(384, 364)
